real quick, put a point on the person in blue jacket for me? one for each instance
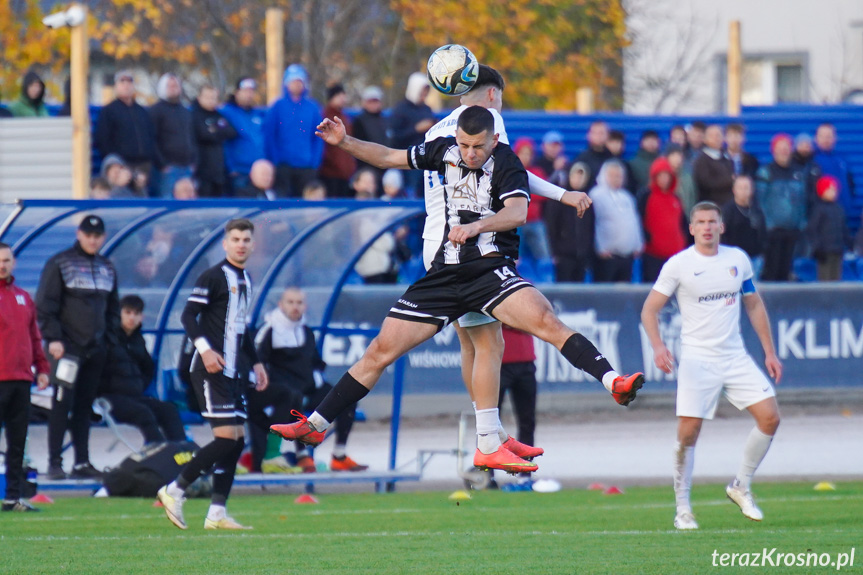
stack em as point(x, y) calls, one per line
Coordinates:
point(247, 146)
point(289, 135)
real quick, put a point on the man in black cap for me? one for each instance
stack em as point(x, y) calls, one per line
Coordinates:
point(78, 312)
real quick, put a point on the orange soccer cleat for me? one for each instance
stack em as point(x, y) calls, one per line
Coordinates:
point(624, 387)
point(301, 430)
point(346, 464)
point(504, 460)
point(522, 450)
point(307, 463)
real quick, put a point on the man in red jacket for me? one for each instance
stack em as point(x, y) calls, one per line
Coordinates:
point(20, 354)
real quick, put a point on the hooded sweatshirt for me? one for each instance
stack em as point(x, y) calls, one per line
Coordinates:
point(618, 230)
point(289, 126)
point(409, 112)
point(662, 215)
point(27, 107)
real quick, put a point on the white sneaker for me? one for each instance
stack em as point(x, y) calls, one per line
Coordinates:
point(685, 520)
point(743, 499)
point(173, 506)
point(224, 523)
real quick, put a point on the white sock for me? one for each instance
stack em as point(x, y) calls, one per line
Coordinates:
point(684, 461)
point(487, 424)
point(318, 422)
point(216, 512)
point(501, 433)
point(339, 450)
point(608, 379)
point(175, 490)
point(473, 403)
point(754, 450)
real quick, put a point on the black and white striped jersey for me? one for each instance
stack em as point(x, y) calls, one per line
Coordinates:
point(217, 313)
point(473, 195)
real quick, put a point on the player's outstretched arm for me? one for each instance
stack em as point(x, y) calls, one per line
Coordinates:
point(654, 303)
point(513, 214)
point(333, 132)
point(757, 312)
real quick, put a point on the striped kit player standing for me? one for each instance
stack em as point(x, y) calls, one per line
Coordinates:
point(215, 319)
point(710, 281)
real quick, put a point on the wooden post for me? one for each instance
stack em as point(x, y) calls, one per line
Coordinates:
point(80, 69)
point(584, 100)
point(735, 65)
point(275, 30)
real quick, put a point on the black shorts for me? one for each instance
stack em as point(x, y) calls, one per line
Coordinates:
point(448, 292)
point(221, 398)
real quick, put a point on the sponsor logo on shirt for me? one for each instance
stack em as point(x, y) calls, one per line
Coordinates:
point(717, 296)
point(407, 303)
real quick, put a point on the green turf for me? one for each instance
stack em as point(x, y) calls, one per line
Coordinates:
point(573, 531)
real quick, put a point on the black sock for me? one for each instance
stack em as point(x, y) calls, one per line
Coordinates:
point(582, 354)
point(223, 474)
point(347, 391)
point(206, 457)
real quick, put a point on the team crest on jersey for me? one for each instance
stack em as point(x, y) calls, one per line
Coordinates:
point(464, 190)
point(733, 271)
point(234, 290)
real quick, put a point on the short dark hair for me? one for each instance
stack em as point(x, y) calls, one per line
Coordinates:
point(132, 302)
point(488, 77)
point(616, 136)
point(239, 224)
point(649, 134)
point(5, 246)
point(676, 127)
point(99, 182)
point(705, 207)
point(476, 120)
point(699, 125)
point(735, 127)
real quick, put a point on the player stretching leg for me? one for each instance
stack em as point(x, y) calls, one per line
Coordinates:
point(710, 280)
point(473, 271)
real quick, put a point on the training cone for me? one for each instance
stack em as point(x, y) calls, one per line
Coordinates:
point(613, 490)
point(596, 487)
point(306, 498)
point(459, 495)
point(157, 503)
point(824, 486)
point(41, 498)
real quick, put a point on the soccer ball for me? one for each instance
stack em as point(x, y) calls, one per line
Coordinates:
point(452, 69)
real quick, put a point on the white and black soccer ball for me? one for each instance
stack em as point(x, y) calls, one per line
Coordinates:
point(452, 69)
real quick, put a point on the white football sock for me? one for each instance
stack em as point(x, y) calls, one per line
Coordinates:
point(684, 461)
point(216, 512)
point(339, 450)
point(487, 424)
point(318, 422)
point(754, 450)
point(608, 379)
point(175, 490)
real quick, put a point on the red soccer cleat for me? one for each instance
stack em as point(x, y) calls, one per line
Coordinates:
point(504, 460)
point(301, 430)
point(522, 450)
point(307, 463)
point(624, 387)
point(346, 464)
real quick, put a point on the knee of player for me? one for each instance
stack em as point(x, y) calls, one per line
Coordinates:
point(377, 355)
point(770, 423)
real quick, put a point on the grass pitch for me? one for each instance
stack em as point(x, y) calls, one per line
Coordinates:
point(572, 531)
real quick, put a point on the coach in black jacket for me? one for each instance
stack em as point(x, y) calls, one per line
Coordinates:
point(128, 373)
point(78, 311)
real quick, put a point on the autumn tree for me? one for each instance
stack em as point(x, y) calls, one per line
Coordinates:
point(546, 49)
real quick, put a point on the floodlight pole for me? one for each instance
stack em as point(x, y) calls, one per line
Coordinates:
point(275, 45)
point(80, 109)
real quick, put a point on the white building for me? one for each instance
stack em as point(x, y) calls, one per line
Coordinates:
point(808, 51)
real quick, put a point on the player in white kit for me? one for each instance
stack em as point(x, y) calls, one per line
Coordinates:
point(710, 281)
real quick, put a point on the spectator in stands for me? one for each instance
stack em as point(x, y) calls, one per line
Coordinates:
point(409, 121)
point(100, 189)
point(79, 313)
point(289, 134)
point(712, 170)
point(571, 237)
point(174, 135)
point(648, 151)
point(379, 264)
point(832, 163)
point(184, 189)
point(337, 166)
point(128, 372)
point(22, 357)
point(212, 130)
point(118, 176)
point(393, 185)
point(676, 137)
point(261, 180)
point(695, 133)
point(827, 230)
point(287, 347)
point(618, 236)
point(552, 149)
point(315, 191)
point(743, 222)
point(617, 147)
point(742, 161)
point(125, 128)
point(663, 220)
point(534, 240)
point(370, 124)
point(596, 153)
point(804, 151)
point(685, 188)
point(31, 102)
point(144, 273)
point(782, 194)
point(247, 146)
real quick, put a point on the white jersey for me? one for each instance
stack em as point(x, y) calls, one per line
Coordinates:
point(709, 289)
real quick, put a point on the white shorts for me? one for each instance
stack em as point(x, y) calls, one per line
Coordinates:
point(699, 383)
point(470, 319)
